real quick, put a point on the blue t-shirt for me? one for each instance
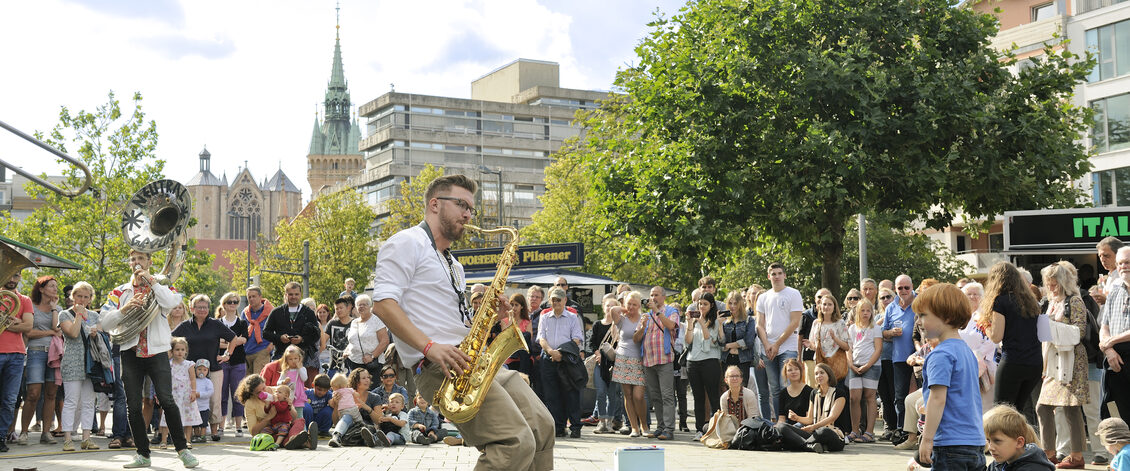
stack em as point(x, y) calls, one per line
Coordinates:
point(953, 365)
point(317, 403)
point(896, 316)
point(1121, 461)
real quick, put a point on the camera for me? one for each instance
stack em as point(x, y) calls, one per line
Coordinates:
point(695, 314)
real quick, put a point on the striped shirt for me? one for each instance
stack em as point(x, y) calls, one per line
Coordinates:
point(1116, 312)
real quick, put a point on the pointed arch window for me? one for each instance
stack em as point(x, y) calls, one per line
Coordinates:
point(245, 204)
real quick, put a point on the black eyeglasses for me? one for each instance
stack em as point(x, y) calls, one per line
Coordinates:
point(231, 302)
point(388, 376)
point(461, 204)
point(853, 298)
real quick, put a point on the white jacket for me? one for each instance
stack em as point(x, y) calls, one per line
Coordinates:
point(1059, 354)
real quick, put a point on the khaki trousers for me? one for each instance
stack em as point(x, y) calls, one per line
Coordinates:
point(513, 430)
point(257, 360)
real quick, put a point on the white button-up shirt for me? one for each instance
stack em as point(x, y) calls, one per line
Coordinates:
point(413, 273)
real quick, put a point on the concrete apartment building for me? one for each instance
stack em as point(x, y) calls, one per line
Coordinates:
point(517, 116)
point(1103, 27)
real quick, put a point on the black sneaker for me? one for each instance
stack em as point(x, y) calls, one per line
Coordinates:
point(298, 441)
point(3, 447)
point(575, 433)
point(335, 441)
point(383, 439)
point(156, 440)
point(367, 436)
point(312, 432)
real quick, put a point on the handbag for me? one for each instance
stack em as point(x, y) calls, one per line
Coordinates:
point(721, 430)
point(608, 344)
point(590, 366)
point(838, 361)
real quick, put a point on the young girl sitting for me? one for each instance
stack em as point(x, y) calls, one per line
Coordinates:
point(184, 390)
point(424, 422)
point(345, 400)
point(394, 424)
point(863, 371)
point(281, 412)
point(205, 389)
point(1012, 442)
point(293, 370)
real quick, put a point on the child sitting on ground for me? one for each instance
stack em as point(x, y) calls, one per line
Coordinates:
point(346, 400)
point(1115, 436)
point(205, 390)
point(1012, 442)
point(424, 422)
point(283, 413)
point(317, 410)
point(949, 381)
point(394, 423)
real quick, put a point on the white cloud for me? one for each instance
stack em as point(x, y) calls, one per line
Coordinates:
point(245, 78)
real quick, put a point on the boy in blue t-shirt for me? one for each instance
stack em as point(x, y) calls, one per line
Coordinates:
point(952, 437)
point(317, 410)
point(1115, 436)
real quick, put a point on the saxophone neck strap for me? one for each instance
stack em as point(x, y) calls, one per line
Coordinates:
point(449, 262)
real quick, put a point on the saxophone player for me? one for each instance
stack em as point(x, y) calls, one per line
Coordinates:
point(146, 356)
point(419, 295)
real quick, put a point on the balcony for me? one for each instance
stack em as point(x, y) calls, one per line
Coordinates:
point(982, 261)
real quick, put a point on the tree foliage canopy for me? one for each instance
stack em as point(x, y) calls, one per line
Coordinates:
point(119, 150)
point(783, 119)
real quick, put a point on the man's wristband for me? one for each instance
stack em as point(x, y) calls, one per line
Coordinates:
point(427, 347)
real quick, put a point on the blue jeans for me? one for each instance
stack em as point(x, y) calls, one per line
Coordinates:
point(958, 457)
point(395, 438)
point(763, 395)
point(11, 375)
point(343, 424)
point(324, 418)
point(121, 423)
point(773, 369)
point(609, 399)
point(903, 373)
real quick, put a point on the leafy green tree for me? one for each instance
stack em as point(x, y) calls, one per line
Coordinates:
point(119, 151)
point(341, 246)
point(767, 119)
point(198, 276)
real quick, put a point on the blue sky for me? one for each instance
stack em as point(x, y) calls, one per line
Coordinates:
point(246, 77)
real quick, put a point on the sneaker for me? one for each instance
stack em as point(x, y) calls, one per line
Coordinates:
point(22, 439)
point(216, 437)
point(602, 427)
point(36, 427)
point(625, 430)
point(187, 459)
point(88, 445)
point(591, 420)
point(3, 447)
point(368, 437)
point(138, 462)
point(68, 445)
point(817, 448)
point(335, 441)
point(1098, 460)
point(155, 440)
point(453, 441)
point(312, 433)
point(298, 441)
point(383, 439)
point(45, 438)
point(239, 432)
point(907, 445)
point(575, 433)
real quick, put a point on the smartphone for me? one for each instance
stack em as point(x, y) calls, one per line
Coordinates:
point(695, 314)
point(724, 313)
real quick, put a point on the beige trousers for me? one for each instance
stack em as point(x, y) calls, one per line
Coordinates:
point(257, 360)
point(217, 378)
point(513, 430)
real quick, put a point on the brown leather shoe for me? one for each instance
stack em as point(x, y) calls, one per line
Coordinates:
point(1071, 463)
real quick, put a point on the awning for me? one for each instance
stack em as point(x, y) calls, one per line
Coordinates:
point(542, 276)
point(41, 258)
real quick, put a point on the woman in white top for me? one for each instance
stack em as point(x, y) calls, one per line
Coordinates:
point(628, 370)
point(367, 338)
point(983, 348)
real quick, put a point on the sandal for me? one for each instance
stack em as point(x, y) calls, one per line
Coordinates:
point(852, 437)
point(128, 443)
point(114, 444)
point(867, 438)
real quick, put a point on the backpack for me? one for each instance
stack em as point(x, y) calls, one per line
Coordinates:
point(756, 434)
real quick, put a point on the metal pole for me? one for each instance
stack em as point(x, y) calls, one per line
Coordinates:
point(305, 268)
point(500, 205)
point(862, 246)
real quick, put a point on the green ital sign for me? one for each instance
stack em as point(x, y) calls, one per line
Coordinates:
point(1091, 227)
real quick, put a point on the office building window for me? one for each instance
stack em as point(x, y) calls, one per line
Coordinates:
point(1085, 6)
point(1112, 123)
point(1112, 187)
point(962, 244)
point(1043, 11)
point(1111, 44)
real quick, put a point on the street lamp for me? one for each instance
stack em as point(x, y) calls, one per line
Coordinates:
point(485, 169)
point(248, 218)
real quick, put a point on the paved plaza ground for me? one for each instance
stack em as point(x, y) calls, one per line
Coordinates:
point(590, 453)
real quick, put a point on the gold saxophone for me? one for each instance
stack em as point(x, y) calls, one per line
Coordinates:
point(460, 396)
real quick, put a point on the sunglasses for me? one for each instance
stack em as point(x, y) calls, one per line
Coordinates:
point(231, 302)
point(903, 288)
point(561, 284)
point(388, 376)
point(853, 298)
point(884, 298)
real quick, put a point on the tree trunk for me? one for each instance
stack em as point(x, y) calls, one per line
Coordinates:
point(830, 253)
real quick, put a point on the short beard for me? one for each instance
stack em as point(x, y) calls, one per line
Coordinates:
point(448, 229)
point(10, 286)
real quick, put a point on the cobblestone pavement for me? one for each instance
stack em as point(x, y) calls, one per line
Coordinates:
point(590, 453)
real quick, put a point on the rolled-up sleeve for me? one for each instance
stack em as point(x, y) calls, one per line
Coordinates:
point(395, 263)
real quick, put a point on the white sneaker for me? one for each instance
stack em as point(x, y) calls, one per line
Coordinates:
point(239, 432)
